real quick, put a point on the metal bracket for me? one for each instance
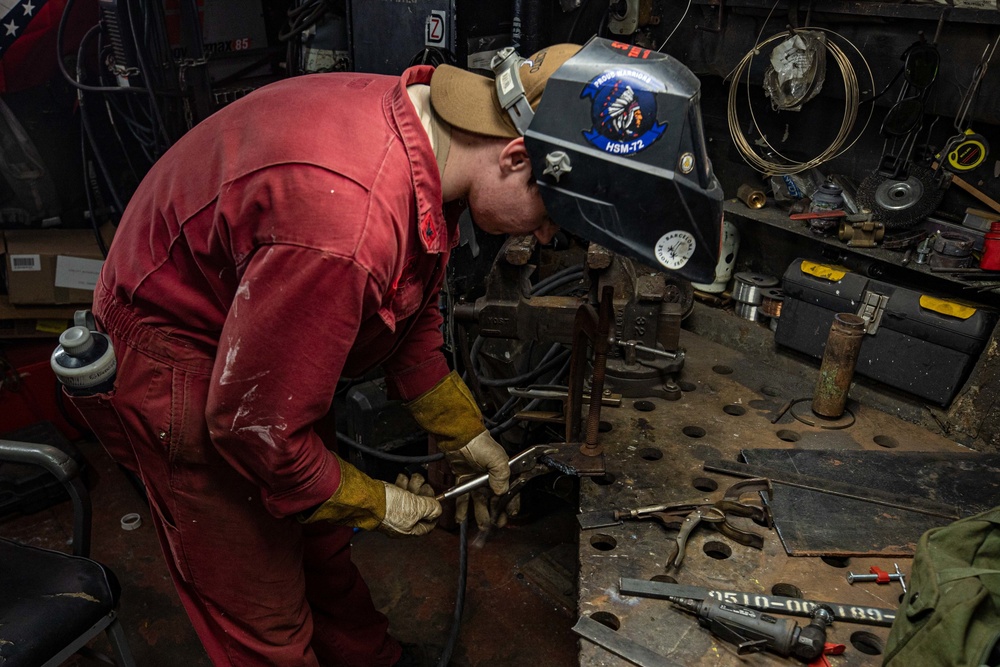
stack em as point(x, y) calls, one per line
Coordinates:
point(871, 310)
point(623, 22)
point(510, 90)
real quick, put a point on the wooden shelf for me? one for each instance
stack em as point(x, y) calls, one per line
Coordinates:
point(888, 10)
point(889, 265)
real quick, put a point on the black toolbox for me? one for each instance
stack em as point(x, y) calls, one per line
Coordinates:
point(915, 342)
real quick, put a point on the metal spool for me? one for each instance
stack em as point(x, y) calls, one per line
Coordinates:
point(772, 299)
point(748, 311)
point(748, 286)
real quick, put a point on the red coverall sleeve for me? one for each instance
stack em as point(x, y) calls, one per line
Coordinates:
point(292, 323)
point(419, 362)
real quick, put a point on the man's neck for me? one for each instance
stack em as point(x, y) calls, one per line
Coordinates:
point(438, 132)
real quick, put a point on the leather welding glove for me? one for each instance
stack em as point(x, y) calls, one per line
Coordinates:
point(449, 413)
point(407, 507)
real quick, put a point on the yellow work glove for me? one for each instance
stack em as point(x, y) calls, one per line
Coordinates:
point(406, 508)
point(448, 412)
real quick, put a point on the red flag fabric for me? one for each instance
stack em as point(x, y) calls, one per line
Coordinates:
point(28, 39)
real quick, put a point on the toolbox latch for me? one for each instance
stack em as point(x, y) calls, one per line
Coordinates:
point(871, 310)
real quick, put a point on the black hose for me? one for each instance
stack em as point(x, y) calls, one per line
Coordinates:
point(463, 546)
point(551, 359)
point(386, 456)
point(463, 569)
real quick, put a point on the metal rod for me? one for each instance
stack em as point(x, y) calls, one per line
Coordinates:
point(643, 348)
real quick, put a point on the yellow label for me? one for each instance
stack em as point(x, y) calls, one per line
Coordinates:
point(824, 271)
point(50, 326)
point(949, 308)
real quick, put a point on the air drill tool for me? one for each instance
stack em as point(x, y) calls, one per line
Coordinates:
point(753, 631)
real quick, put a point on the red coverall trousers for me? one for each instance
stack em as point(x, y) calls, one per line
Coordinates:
point(308, 605)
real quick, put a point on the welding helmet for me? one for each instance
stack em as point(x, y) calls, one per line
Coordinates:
point(618, 150)
point(616, 145)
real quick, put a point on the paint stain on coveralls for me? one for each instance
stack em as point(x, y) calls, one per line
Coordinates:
point(227, 372)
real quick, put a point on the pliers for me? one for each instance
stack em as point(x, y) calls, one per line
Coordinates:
point(717, 514)
point(521, 465)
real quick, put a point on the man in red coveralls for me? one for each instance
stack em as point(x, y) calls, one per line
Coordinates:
point(292, 238)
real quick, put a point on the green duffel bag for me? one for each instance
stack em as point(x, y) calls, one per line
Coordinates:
point(951, 613)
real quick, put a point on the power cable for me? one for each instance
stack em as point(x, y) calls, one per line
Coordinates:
point(69, 77)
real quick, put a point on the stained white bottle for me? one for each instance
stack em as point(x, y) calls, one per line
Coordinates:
point(84, 361)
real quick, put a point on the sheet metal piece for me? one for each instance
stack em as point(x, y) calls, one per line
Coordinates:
point(847, 613)
point(866, 494)
point(610, 640)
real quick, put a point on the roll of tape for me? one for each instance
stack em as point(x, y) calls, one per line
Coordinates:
point(131, 521)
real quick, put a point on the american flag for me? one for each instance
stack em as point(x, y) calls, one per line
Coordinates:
point(16, 15)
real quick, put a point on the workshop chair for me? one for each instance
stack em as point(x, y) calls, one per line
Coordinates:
point(52, 603)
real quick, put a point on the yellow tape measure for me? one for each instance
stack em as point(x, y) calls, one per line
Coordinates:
point(968, 153)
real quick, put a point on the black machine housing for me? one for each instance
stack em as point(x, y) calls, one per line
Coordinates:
point(639, 180)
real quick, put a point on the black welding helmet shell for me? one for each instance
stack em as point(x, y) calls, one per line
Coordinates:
point(618, 150)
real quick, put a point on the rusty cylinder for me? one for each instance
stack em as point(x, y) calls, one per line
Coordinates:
point(837, 369)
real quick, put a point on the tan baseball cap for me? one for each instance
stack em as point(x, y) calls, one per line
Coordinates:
point(469, 101)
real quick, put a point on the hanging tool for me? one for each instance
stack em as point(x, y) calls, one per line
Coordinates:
point(754, 631)
point(880, 576)
point(967, 150)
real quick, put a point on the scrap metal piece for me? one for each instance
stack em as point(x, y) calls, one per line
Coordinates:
point(610, 640)
point(820, 485)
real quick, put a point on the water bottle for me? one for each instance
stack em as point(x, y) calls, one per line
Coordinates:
point(84, 361)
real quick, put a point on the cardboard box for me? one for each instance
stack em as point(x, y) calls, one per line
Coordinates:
point(52, 266)
point(34, 321)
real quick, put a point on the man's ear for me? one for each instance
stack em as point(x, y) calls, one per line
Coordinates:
point(514, 157)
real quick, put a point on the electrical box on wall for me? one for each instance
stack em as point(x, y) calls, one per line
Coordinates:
point(390, 35)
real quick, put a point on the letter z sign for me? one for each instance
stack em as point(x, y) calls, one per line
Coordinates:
point(436, 29)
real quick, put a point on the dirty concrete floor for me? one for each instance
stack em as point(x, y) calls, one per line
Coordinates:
point(520, 604)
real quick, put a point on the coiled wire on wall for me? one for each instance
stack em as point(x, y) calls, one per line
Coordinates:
point(852, 100)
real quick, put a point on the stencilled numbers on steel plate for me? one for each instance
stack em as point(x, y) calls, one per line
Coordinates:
point(795, 606)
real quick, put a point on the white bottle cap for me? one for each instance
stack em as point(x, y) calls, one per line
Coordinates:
point(77, 341)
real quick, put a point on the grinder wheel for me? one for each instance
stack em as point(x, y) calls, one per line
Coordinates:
point(900, 203)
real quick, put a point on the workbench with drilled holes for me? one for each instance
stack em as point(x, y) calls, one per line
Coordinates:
point(655, 453)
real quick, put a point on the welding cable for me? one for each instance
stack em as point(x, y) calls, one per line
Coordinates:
point(62, 66)
point(386, 456)
point(463, 543)
point(851, 104)
point(146, 72)
point(543, 287)
point(88, 134)
point(551, 360)
point(463, 570)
